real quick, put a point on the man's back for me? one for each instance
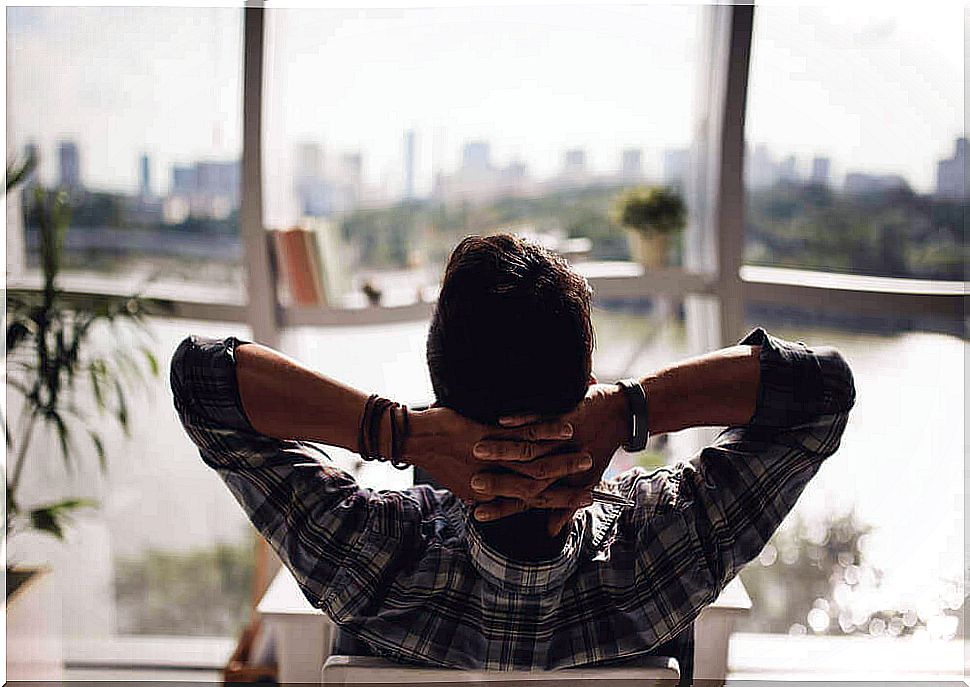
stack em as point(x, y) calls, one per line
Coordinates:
point(407, 573)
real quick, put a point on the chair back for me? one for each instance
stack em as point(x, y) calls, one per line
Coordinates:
point(653, 671)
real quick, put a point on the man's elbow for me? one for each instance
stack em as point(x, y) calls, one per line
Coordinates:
point(838, 382)
point(178, 379)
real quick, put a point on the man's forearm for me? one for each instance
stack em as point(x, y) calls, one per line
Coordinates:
point(287, 400)
point(715, 389)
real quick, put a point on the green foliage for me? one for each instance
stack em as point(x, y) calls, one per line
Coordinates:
point(895, 234)
point(654, 209)
point(200, 592)
point(18, 172)
point(49, 361)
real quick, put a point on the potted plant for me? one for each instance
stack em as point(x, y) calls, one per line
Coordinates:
point(652, 216)
point(52, 365)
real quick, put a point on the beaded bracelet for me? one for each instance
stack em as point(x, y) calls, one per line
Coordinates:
point(368, 436)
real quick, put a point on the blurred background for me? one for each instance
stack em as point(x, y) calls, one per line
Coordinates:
point(387, 136)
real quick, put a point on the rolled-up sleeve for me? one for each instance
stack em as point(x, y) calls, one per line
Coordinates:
point(314, 517)
point(736, 492)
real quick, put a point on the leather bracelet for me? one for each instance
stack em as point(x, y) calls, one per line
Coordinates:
point(639, 415)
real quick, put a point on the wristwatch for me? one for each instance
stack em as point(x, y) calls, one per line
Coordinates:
point(639, 420)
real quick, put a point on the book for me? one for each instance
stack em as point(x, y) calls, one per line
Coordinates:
point(299, 268)
point(333, 271)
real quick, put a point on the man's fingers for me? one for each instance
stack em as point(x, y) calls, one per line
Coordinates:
point(518, 420)
point(552, 466)
point(491, 484)
point(550, 430)
point(494, 449)
point(499, 508)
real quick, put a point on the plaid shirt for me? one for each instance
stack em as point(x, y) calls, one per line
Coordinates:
point(407, 573)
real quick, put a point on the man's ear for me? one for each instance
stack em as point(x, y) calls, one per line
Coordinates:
point(592, 379)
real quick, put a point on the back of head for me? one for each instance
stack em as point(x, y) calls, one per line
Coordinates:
point(511, 334)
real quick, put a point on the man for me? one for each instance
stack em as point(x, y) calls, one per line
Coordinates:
point(513, 567)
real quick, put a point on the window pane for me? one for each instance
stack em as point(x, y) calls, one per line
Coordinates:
point(136, 113)
point(856, 156)
point(875, 544)
point(168, 551)
point(404, 130)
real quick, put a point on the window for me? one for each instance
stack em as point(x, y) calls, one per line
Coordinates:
point(135, 112)
point(856, 145)
point(875, 542)
point(168, 550)
point(404, 130)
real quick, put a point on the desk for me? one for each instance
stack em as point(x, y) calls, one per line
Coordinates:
point(304, 635)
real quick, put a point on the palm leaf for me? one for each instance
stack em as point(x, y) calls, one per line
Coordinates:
point(99, 449)
point(54, 417)
point(122, 411)
point(53, 517)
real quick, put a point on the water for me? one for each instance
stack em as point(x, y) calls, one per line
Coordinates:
point(900, 464)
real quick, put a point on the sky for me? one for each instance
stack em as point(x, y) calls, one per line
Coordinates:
point(877, 91)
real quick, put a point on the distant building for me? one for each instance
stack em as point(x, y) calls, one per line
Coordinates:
point(861, 183)
point(476, 157)
point(409, 164)
point(309, 160)
point(206, 189)
point(69, 165)
point(631, 164)
point(574, 163)
point(759, 169)
point(788, 170)
point(351, 175)
point(951, 173)
point(144, 177)
point(478, 181)
point(821, 171)
point(675, 167)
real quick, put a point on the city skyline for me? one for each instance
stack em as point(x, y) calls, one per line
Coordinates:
point(812, 111)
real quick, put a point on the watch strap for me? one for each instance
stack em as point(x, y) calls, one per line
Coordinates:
point(639, 416)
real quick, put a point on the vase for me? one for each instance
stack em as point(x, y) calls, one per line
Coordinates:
point(650, 250)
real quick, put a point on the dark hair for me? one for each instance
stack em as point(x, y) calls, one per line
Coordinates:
point(511, 333)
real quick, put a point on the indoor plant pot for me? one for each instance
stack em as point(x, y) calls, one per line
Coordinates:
point(34, 644)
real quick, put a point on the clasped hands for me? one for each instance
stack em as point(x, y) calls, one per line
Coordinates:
point(527, 462)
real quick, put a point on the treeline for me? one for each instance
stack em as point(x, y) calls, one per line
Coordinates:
point(892, 233)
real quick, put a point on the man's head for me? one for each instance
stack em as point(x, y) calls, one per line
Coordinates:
point(511, 332)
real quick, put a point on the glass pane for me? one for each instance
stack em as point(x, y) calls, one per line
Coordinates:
point(168, 551)
point(875, 544)
point(135, 112)
point(454, 121)
point(856, 153)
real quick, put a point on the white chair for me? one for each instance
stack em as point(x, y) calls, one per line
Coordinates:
point(657, 671)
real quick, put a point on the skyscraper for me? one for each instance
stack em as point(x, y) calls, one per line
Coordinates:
point(951, 174)
point(759, 169)
point(144, 177)
point(476, 156)
point(821, 169)
point(631, 164)
point(675, 166)
point(69, 165)
point(409, 164)
point(574, 162)
point(787, 170)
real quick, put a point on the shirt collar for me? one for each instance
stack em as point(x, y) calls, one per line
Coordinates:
point(589, 530)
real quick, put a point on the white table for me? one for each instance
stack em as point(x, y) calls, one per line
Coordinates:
point(304, 635)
